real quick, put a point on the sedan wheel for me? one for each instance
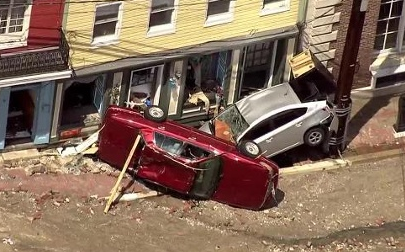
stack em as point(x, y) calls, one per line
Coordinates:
point(249, 148)
point(314, 137)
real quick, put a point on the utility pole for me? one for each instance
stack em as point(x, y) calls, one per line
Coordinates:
point(342, 100)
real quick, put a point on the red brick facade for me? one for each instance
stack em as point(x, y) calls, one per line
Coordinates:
point(366, 54)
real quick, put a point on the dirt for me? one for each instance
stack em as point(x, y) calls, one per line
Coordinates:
point(358, 209)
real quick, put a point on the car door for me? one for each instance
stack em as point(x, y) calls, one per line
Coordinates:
point(243, 183)
point(160, 163)
point(280, 132)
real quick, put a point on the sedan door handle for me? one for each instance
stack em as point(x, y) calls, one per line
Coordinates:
point(268, 140)
point(298, 124)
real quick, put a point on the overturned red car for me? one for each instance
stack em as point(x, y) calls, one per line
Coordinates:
point(186, 160)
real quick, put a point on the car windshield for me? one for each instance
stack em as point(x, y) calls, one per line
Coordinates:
point(233, 120)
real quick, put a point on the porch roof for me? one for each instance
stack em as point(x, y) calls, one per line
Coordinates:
point(205, 48)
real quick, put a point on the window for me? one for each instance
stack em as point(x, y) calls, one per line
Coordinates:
point(287, 116)
point(275, 6)
point(259, 54)
point(162, 16)
point(219, 11)
point(390, 27)
point(14, 20)
point(107, 22)
point(390, 80)
point(168, 144)
point(274, 122)
point(194, 152)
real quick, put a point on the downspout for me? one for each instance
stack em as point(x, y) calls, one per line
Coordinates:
point(301, 22)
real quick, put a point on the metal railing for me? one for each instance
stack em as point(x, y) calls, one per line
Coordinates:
point(36, 62)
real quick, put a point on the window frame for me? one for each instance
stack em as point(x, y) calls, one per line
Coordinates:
point(270, 123)
point(112, 38)
point(164, 28)
point(399, 44)
point(16, 39)
point(166, 150)
point(221, 18)
point(275, 7)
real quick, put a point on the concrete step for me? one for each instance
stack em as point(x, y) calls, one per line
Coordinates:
point(20, 155)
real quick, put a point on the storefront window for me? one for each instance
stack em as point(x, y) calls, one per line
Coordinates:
point(263, 66)
point(143, 86)
point(205, 79)
point(82, 102)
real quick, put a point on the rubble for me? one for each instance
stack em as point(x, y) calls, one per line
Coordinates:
point(54, 164)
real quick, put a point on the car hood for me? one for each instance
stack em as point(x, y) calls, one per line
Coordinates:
point(266, 100)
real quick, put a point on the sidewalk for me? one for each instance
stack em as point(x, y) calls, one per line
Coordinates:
point(370, 130)
point(371, 127)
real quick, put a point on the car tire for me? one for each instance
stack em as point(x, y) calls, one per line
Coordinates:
point(249, 149)
point(314, 137)
point(155, 113)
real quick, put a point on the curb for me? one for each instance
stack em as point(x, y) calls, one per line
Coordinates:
point(340, 163)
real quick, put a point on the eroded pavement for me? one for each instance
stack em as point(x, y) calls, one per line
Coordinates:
point(358, 208)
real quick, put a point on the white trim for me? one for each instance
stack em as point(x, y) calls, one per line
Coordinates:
point(17, 39)
point(161, 30)
point(272, 63)
point(165, 28)
point(30, 51)
point(276, 7)
point(222, 18)
point(35, 78)
point(9, 45)
point(159, 82)
point(112, 38)
point(400, 33)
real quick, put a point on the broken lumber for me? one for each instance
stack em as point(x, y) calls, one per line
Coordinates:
point(86, 144)
point(137, 195)
point(124, 169)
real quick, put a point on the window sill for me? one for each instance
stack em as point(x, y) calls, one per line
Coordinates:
point(4, 45)
point(100, 43)
point(273, 8)
point(219, 19)
point(161, 30)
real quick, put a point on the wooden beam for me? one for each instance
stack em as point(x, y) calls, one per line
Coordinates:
point(117, 184)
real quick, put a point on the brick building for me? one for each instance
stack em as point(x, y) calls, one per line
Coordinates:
point(381, 61)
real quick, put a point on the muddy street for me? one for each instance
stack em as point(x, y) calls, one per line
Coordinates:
point(359, 208)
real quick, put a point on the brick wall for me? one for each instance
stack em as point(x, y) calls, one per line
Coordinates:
point(366, 54)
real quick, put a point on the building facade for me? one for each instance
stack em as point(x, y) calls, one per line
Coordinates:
point(321, 29)
point(156, 50)
point(33, 58)
point(380, 66)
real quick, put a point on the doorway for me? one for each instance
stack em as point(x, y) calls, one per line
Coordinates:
point(21, 113)
point(82, 102)
point(263, 65)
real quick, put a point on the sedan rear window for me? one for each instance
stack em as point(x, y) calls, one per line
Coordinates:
point(168, 144)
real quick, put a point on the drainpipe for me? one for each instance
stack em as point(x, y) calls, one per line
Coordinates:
point(301, 21)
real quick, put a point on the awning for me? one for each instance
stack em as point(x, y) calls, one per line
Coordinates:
point(35, 78)
point(205, 48)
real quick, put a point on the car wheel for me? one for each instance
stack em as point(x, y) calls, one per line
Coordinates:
point(156, 114)
point(314, 137)
point(249, 148)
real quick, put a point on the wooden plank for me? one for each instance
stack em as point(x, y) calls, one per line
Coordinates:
point(138, 195)
point(124, 169)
